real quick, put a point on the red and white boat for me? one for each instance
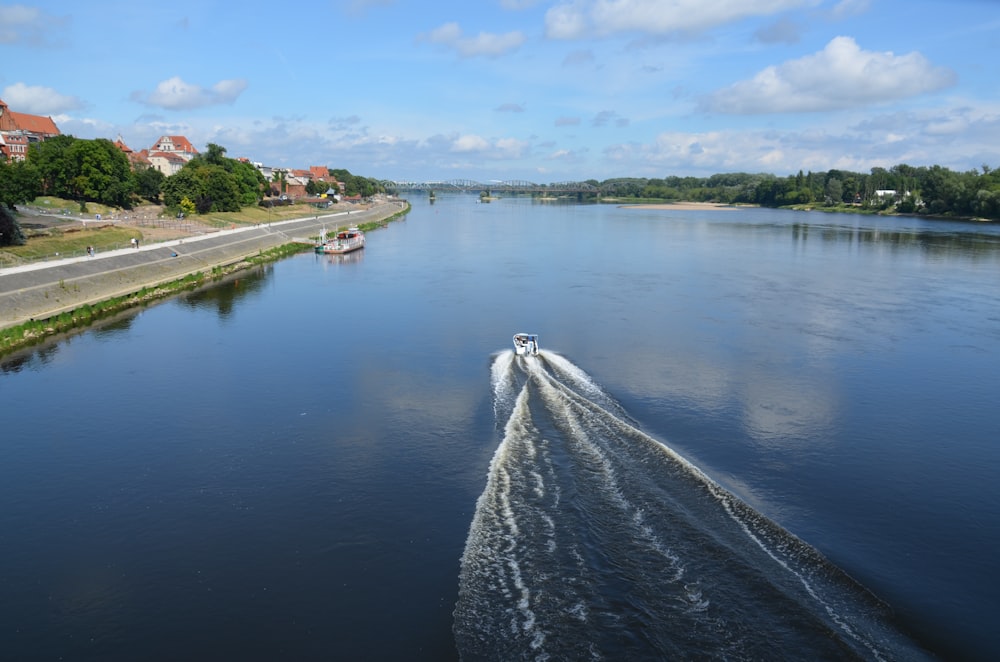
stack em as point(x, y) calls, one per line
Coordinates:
point(344, 241)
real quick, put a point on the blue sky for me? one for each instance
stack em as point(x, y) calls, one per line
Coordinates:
point(542, 91)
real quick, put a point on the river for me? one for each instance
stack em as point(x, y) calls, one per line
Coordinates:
point(750, 434)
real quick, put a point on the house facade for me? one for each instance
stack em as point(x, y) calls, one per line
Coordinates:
point(19, 130)
point(170, 153)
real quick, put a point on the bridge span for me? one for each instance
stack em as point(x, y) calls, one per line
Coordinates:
point(493, 186)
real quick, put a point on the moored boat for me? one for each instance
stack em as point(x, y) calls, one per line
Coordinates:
point(344, 241)
point(525, 344)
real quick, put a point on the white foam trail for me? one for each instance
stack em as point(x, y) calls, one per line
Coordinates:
point(573, 407)
point(590, 446)
point(729, 502)
point(503, 383)
point(579, 379)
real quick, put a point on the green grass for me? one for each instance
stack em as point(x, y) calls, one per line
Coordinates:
point(73, 241)
point(255, 214)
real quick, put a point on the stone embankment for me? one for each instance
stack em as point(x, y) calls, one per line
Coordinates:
point(43, 290)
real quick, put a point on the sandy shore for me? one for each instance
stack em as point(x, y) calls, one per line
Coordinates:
point(683, 206)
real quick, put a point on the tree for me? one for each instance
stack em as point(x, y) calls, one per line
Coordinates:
point(355, 185)
point(215, 154)
point(209, 186)
point(181, 185)
point(10, 230)
point(220, 188)
point(85, 170)
point(186, 206)
point(19, 183)
point(249, 180)
point(148, 183)
point(50, 159)
point(834, 191)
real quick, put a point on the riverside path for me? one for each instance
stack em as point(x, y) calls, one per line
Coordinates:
point(42, 290)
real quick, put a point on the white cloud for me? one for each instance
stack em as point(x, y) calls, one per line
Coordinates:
point(485, 43)
point(953, 137)
point(576, 19)
point(510, 148)
point(496, 150)
point(176, 94)
point(470, 144)
point(38, 100)
point(840, 76)
point(28, 25)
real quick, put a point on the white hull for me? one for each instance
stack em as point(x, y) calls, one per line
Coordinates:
point(526, 344)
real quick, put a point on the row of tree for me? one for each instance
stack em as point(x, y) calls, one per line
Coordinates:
point(353, 184)
point(84, 170)
point(98, 171)
point(910, 190)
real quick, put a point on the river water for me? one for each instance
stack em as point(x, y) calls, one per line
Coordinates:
point(751, 434)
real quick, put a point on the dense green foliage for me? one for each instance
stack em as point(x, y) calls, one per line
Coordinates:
point(357, 185)
point(10, 229)
point(906, 189)
point(19, 183)
point(148, 183)
point(85, 170)
point(214, 183)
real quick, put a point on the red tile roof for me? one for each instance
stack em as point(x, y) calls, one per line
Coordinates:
point(169, 156)
point(180, 143)
point(35, 123)
point(14, 121)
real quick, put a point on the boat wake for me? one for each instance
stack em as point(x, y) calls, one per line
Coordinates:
point(592, 540)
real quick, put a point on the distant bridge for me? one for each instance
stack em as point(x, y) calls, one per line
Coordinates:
point(493, 186)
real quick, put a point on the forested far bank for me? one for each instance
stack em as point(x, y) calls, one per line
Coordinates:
point(933, 190)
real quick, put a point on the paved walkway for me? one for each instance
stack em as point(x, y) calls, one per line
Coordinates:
point(44, 289)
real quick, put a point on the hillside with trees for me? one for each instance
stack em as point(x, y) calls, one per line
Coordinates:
point(96, 171)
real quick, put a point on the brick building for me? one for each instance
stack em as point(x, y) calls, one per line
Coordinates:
point(19, 130)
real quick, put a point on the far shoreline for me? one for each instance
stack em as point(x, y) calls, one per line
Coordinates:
point(684, 206)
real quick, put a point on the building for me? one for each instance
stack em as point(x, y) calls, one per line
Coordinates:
point(134, 158)
point(166, 162)
point(170, 153)
point(19, 130)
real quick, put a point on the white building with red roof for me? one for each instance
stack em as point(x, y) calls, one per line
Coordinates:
point(170, 153)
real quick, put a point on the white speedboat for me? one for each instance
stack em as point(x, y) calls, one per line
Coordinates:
point(525, 343)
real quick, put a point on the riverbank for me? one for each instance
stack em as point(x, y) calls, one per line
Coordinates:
point(43, 298)
point(684, 206)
